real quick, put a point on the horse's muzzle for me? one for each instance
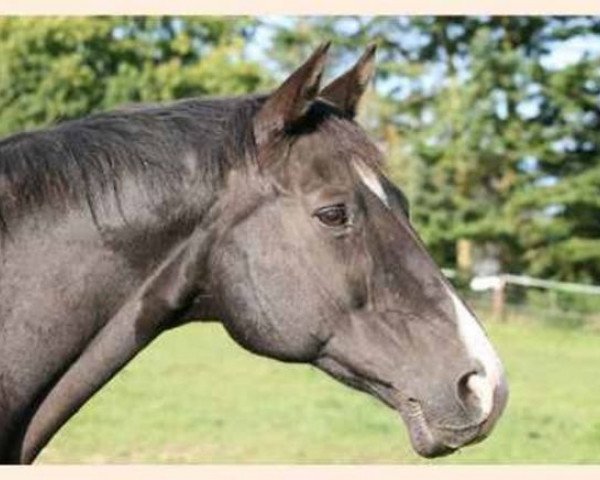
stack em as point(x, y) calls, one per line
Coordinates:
point(430, 439)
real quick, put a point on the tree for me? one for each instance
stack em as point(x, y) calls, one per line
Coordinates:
point(59, 68)
point(559, 219)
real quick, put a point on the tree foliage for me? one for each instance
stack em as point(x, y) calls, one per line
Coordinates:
point(59, 68)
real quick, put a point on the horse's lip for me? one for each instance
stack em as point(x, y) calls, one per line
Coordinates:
point(425, 438)
point(421, 433)
point(434, 440)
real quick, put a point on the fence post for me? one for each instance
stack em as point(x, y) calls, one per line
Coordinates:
point(464, 256)
point(499, 300)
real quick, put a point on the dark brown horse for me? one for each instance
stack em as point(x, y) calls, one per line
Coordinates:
point(268, 213)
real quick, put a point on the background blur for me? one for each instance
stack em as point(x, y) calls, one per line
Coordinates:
point(491, 125)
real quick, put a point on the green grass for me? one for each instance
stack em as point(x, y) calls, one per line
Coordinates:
point(196, 397)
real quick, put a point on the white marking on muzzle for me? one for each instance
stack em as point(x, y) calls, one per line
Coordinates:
point(479, 348)
point(369, 178)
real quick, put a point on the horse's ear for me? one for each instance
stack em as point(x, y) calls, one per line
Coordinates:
point(346, 91)
point(287, 105)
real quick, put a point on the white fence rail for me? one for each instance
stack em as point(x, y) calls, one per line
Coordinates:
point(499, 303)
point(492, 282)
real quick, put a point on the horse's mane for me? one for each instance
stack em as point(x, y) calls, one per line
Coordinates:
point(83, 159)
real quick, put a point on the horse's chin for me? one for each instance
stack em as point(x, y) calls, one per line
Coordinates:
point(423, 438)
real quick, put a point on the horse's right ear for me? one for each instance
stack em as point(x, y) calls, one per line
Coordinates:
point(288, 103)
point(346, 91)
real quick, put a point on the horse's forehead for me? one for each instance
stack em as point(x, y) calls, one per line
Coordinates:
point(319, 162)
point(339, 155)
point(329, 152)
point(336, 165)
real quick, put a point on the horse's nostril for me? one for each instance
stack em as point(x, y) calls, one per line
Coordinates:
point(465, 394)
point(476, 393)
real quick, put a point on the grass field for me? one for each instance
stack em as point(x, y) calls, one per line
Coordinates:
point(196, 397)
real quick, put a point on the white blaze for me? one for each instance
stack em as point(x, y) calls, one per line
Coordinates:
point(474, 339)
point(479, 348)
point(369, 178)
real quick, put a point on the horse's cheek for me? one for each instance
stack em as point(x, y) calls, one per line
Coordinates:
point(262, 305)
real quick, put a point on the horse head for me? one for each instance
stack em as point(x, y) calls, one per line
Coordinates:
point(325, 268)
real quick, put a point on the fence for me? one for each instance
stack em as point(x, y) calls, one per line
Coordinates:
point(508, 297)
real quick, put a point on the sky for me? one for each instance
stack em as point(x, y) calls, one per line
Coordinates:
point(571, 51)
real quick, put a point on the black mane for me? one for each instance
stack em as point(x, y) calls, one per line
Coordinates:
point(81, 160)
point(87, 159)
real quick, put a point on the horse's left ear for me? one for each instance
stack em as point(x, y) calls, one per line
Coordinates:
point(288, 104)
point(346, 91)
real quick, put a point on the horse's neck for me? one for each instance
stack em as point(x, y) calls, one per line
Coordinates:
point(64, 281)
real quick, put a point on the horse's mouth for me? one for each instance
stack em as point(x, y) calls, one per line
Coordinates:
point(435, 441)
point(430, 439)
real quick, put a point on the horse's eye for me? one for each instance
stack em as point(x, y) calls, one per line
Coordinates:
point(333, 216)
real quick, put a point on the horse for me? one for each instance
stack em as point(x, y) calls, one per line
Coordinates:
point(270, 213)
